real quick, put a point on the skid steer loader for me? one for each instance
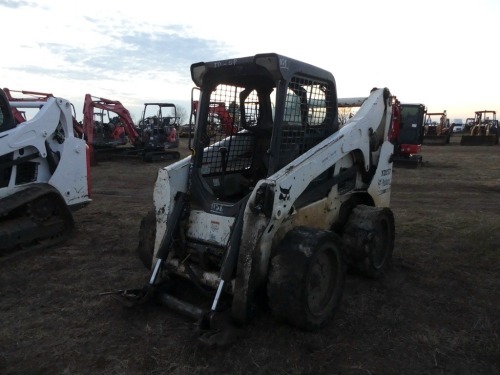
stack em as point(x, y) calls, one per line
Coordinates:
point(44, 174)
point(273, 214)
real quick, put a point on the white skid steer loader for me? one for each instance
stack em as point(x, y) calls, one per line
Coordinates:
point(44, 174)
point(277, 209)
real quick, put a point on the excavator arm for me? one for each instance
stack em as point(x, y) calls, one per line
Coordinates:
point(107, 105)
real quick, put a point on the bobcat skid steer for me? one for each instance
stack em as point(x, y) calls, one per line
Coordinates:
point(272, 214)
point(44, 174)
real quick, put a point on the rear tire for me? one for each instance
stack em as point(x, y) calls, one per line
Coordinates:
point(306, 278)
point(368, 239)
point(147, 234)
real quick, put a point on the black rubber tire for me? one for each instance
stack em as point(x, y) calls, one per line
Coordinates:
point(147, 234)
point(306, 278)
point(368, 240)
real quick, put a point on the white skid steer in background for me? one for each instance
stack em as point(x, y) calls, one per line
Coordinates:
point(44, 174)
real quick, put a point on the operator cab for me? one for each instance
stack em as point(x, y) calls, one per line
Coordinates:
point(412, 119)
point(268, 116)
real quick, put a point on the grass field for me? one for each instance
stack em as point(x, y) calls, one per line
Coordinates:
point(436, 312)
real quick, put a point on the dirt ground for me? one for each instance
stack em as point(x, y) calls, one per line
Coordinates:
point(436, 312)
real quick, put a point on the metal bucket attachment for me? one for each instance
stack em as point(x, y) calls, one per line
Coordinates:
point(218, 330)
point(479, 140)
point(215, 328)
point(132, 297)
point(182, 307)
point(438, 140)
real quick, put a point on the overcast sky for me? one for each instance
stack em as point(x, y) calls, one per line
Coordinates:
point(440, 53)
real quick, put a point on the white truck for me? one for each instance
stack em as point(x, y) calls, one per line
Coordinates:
point(459, 125)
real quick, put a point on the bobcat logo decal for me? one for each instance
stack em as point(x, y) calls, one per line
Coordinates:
point(285, 193)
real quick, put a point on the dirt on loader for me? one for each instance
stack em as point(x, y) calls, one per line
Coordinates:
point(436, 312)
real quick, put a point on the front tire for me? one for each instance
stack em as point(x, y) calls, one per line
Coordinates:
point(306, 278)
point(368, 240)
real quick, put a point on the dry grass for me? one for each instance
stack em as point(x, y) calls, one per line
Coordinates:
point(436, 312)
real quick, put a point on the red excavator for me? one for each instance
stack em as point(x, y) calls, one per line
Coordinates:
point(407, 133)
point(222, 120)
point(105, 136)
point(101, 134)
point(227, 119)
point(119, 136)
